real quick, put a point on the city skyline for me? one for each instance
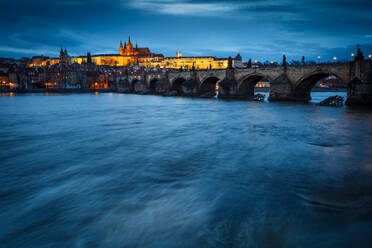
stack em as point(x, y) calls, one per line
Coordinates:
point(262, 30)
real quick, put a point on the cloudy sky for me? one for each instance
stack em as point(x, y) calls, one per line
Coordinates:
point(257, 29)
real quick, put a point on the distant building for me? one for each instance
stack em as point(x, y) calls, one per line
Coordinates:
point(238, 61)
point(129, 56)
point(330, 82)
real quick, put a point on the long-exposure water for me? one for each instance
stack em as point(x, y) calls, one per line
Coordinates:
point(115, 170)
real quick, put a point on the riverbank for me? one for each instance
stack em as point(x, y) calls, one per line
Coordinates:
point(56, 90)
point(88, 90)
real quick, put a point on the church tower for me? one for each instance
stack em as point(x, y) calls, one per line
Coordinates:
point(121, 49)
point(61, 54)
point(128, 49)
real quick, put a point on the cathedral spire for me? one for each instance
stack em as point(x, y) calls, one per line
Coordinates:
point(121, 49)
point(61, 53)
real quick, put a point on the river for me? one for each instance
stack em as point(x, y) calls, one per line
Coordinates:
point(115, 170)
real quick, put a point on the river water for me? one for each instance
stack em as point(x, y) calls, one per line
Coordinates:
point(115, 170)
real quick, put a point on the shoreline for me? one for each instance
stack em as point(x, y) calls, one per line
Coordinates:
point(88, 90)
point(56, 90)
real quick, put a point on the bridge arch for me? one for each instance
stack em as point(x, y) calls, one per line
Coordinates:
point(152, 84)
point(138, 85)
point(305, 84)
point(176, 85)
point(124, 83)
point(208, 85)
point(133, 83)
point(246, 84)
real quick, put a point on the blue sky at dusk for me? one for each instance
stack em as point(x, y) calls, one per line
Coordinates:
point(257, 29)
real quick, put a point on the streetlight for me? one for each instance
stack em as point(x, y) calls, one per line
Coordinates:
point(352, 54)
point(334, 58)
point(369, 56)
point(255, 61)
point(318, 59)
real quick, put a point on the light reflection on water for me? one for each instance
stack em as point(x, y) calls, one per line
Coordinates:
point(112, 170)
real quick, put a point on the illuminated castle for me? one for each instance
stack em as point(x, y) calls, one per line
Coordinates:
point(132, 56)
point(128, 49)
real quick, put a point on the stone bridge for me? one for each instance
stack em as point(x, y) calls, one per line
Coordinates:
point(288, 83)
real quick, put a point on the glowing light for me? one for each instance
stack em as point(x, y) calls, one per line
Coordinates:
point(217, 87)
point(272, 62)
point(318, 57)
point(255, 61)
point(11, 93)
point(96, 93)
point(352, 54)
point(369, 55)
point(334, 58)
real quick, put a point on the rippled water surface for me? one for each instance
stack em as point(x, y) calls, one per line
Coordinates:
point(113, 170)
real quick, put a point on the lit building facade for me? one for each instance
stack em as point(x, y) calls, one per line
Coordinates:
point(142, 56)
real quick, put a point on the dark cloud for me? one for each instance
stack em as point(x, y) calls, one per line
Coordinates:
point(257, 28)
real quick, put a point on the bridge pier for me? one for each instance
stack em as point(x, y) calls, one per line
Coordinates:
point(359, 93)
point(228, 87)
point(359, 90)
point(281, 89)
point(162, 86)
point(190, 87)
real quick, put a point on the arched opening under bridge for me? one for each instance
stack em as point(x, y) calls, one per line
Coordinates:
point(252, 84)
point(209, 85)
point(319, 86)
point(152, 85)
point(177, 85)
point(133, 83)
